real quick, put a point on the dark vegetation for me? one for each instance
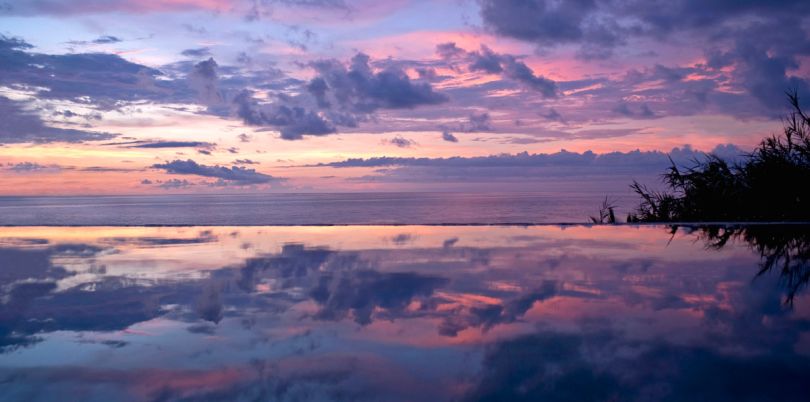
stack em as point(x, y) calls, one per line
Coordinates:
point(772, 183)
point(606, 213)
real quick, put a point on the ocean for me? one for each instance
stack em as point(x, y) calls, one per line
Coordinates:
point(307, 209)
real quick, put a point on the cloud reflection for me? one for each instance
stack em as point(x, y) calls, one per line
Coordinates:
point(452, 313)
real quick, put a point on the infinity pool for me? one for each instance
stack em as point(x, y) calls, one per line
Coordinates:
point(405, 313)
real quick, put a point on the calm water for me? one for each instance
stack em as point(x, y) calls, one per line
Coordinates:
point(305, 209)
point(404, 313)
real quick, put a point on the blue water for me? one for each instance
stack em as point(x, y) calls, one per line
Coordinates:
point(305, 209)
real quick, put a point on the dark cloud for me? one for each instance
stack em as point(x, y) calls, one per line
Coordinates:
point(40, 309)
point(643, 111)
point(164, 144)
point(486, 60)
point(27, 167)
point(33, 167)
point(21, 264)
point(361, 292)
point(195, 29)
point(401, 142)
point(640, 159)
point(765, 58)
point(300, 38)
point(235, 174)
point(553, 115)
point(488, 316)
point(293, 122)
point(342, 285)
point(428, 74)
point(558, 366)
point(19, 125)
point(450, 242)
point(100, 79)
point(403, 239)
point(449, 51)
point(318, 88)
point(520, 72)
point(478, 122)
point(339, 96)
point(566, 171)
point(661, 18)
point(108, 82)
point(12, 43)
point(107, 39)
point(28, 274)
point(607, 24)
point(203, 329)
point(204, 79)
point(475, 122)
point(101, 40)
point(542, 21)
point(209, 303)
point(762, 41)
point(204, 236)
point(172, 184)
point(197, 52)
point(665, 91)
point(359, 89)
point(99, 169)
point(509, 66)
point(295, 262)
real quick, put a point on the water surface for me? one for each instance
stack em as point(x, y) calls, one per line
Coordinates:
point(410, 313)
point(306, 209)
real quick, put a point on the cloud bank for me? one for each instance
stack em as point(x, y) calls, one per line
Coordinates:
point(234, 174)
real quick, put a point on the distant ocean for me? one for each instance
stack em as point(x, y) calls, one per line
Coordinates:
point(305, 209)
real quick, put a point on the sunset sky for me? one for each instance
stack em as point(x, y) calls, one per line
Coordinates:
point(188, 96)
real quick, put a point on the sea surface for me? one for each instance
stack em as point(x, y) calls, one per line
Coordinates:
point(307, 209)
point(404, 313)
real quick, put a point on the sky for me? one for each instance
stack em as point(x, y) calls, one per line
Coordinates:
point(206, 96)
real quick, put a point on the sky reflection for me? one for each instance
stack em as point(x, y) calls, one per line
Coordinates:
point(402, 313)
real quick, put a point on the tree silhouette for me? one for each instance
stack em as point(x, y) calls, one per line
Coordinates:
point(772, 183)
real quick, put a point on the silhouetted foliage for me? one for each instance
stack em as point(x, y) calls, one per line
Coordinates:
point(783, 249)
point(606, 213)
point(772, 183)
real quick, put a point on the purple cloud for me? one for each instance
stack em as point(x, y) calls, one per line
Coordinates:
point(235, 174)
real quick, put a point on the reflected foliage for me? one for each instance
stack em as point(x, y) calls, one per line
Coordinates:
point(783, 249)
